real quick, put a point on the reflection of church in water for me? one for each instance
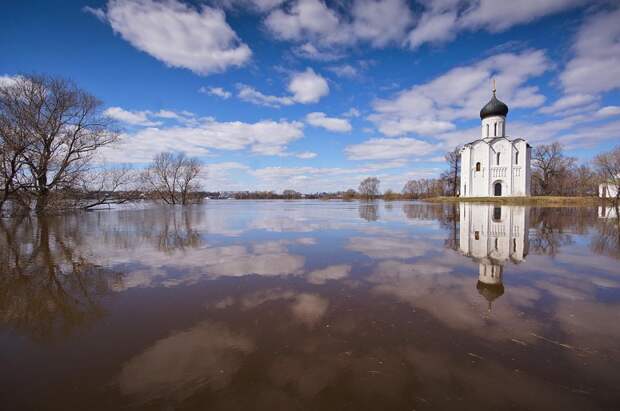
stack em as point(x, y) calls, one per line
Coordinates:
point(493, 235)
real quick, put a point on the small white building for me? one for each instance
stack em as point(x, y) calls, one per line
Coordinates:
point(494, 165)
point(493, 235)
point(607, 190)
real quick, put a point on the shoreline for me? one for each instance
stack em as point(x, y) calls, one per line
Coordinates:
point(534, 200)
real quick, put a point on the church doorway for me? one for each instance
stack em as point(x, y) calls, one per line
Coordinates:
point(497, 188)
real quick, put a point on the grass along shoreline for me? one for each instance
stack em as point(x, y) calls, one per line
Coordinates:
point(535, 200)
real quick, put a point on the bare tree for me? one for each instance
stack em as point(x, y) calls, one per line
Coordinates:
point(369, 188)
point(585, 181)
point(390, 195)
point(291, 194)
point(608, 165)
point(172, 178)
point(189, 170)
point(425, 187)
point(13, 144)
point(453, 175)
point(107, 186)
point(552, 169)
point(62, 125)
point(349, 195)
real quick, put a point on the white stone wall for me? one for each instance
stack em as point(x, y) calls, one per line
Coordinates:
point(511, 172)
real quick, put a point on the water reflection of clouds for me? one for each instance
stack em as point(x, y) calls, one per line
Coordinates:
point(306, 308)
point(436, 287)
point(269, 258)
point(177, 366)
point(390, 247)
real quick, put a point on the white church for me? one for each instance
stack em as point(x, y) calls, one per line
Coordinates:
point(493, 235)
point(494, 165)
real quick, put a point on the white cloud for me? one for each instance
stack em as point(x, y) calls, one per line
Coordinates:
point(258, 5)
point(306, 155)
point(251, 95)
point(378, 22)
point(595, 67)
point(216, 91)
point(310, 51)
point(306, 19)
point(389, 148)
point(608, 111)
point(568, 102)
point(433, 28)
point(305, 86)
point(431, 108)
point(136, 118)
point(308, 87)
point(168, 114)
point(344, 70)
point(177, 34)
point(144, 118)
point(496, 16)
point(441, 21)
point(352, 112)
point(98, 13)
point(266, 137)
point(319, 119)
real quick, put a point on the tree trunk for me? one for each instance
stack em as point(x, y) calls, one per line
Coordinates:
point(42, 202)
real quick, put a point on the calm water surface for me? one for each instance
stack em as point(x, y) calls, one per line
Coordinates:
point(312, 305)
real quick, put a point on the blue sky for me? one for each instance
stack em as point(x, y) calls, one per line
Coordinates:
point(315, 95)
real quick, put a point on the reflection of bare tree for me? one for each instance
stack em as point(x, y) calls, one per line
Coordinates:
point(369, 211)
point(446, 214)
point(177, 232)
point(553, 227)
point(166, 228)
point(48, 287)
point(606, 240)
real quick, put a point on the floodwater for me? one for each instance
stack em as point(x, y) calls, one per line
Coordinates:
point(274, 305)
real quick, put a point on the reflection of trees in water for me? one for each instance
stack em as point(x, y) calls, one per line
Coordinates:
point(446, 214)
point(176, 231)
point(553, 228)
point(166, 228)
point(369, 211)
point(48, 287)
point(550, 229)
point(607, 239)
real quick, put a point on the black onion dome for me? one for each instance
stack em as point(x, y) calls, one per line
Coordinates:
point(490, 292)
point(494, 107)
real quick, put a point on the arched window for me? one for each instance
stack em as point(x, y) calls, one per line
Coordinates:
point(496, 244)
point(495, 129)
point(497, 214)
point(477, 235)
point(498, 155)
point(517, 157)
point(514, 245)
point(487, 130)
point(478, 166)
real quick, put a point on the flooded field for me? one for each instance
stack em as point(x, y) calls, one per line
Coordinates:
point(240, 305)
